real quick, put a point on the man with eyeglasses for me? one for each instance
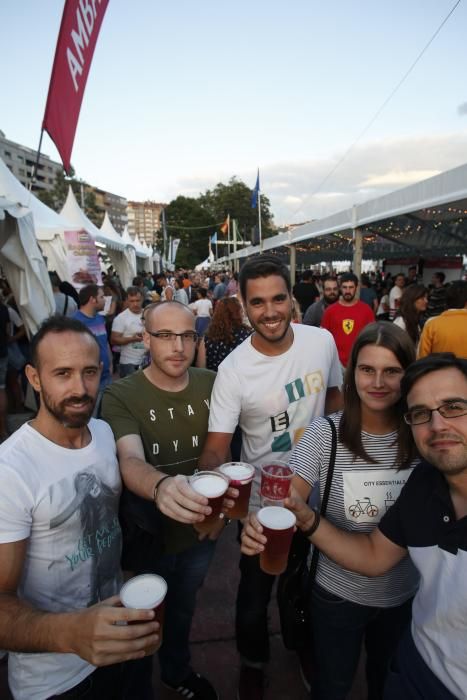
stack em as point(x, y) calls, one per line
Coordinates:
point(429, 521)
point(159, 417)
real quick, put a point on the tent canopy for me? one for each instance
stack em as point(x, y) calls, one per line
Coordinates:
point(73, 212)
point(24, 265)
point(427, 217)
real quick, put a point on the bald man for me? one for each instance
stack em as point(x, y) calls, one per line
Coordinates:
point(159, 417)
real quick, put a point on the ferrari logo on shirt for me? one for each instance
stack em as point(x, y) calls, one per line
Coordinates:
point(347, 325)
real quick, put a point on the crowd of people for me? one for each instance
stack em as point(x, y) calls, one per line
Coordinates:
point(139, 388)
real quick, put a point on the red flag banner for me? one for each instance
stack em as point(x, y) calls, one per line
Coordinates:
point(225, 226)
point(79, 30)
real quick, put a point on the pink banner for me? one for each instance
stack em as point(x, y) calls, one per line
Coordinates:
point(79, 30)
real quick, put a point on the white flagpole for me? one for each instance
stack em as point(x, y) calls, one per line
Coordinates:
point(259, 221)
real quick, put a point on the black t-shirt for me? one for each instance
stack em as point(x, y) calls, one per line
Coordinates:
point(305, 293)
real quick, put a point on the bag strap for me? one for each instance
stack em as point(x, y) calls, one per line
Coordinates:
point(324, 502)
point(65, 308)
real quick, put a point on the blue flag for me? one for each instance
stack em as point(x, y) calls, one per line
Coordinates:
point(254, 194)
point(214, 238)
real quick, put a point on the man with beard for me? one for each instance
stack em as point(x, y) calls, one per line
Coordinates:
point(48, 558)
point(345, 319)
point(159, 417)
point(315, 312)
point(271, 385)
point(429, 523)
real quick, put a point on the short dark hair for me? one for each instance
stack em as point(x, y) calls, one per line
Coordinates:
point(307, 275)
point(133, 291)
point(263, 265)
point(85, 293)
point(456, 295)
point(56, 324)
point(349, 277)
point(428, 364)
point(138, 281)
point(440, 275)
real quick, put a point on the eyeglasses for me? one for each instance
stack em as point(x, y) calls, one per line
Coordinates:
point(168, 337)
point(450, 409)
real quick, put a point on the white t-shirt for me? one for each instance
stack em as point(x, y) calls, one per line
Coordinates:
point(202, 307)
point(395, 293)
point(274, 398)
point(129, 324)
point(66, 503)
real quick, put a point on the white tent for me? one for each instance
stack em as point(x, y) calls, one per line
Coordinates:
point(118, 258)
point(24, 265)
point(129, 261)
point(73, 212)
point(49, 226)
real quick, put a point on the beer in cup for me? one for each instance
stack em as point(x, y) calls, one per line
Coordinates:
point(146, 592)
point(213, 486)
point(278, 526)
point(276, 477)
point(241, 477)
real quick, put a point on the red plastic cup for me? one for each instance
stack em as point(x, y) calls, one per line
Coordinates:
point(213, 486)
point(278, 526)
point(241, 477)
point(146, 592)
point(275, 482)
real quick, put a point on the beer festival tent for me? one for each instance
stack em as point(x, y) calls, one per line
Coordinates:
point(48, 225)
point(130, 257)
point(72, 212)
point(427, 218)
point(121, 260)
point(23, 264)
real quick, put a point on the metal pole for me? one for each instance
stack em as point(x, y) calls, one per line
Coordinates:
point(234, 229)
point(357, 253)
point(36, 164)
point(259, 222)
point(293, 263)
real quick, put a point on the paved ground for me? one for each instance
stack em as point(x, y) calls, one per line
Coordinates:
point(213, 644)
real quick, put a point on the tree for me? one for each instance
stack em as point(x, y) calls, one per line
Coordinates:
point(56, 198)
point(188, 220)
point(235, 199)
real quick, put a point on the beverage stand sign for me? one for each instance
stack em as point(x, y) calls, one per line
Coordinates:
point(83, 261)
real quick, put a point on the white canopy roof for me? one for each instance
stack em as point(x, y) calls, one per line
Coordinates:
point(24, 265)
point(428, 217)
point(73, 212)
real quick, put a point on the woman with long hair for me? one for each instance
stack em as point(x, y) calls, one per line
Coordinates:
point(374, 458)
point(412, 307)
point(226, 330)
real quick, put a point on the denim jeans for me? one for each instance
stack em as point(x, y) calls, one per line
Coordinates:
point(184, 573)
point(103, 684)
point(409, 677)
point(126, 370)
point(251, 621)
point(339, 628)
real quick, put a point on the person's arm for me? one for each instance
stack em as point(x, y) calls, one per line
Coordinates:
point(175, 498)
point(120, 339)
point(368, 554)
point(375, 305)
point(201, 356)
point(216, 450)
point(334, 400)
point(91, 633)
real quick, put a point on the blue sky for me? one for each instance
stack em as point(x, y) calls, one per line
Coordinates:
point(185, 94)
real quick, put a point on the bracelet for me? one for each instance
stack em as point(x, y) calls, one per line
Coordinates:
point(156, 487)
point(311, 530)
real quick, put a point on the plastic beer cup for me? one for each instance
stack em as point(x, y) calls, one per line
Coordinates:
point(213, 486)
point(278, 526)
point(275, 482)
point(241, 477)
point(146, 592)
